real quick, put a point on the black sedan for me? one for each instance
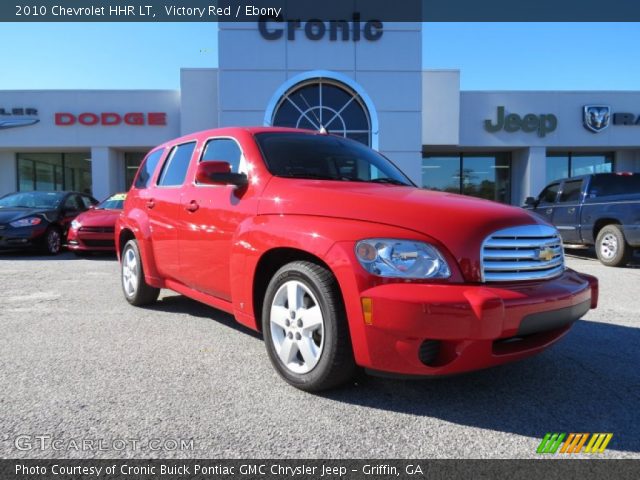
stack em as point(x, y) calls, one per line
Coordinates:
point(39, 219)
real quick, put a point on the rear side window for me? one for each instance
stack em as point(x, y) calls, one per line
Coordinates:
point(604, 185)
point(571, 191)
point(550, 193)
point(176, 165)
point(147, 168)
point(222, 150)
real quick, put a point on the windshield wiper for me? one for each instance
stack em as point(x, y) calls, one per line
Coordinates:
point(391, 181)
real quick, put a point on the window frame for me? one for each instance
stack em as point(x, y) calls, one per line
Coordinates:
point(202, 150)
point(579, 181)
point(167, 164)
point(151, 178)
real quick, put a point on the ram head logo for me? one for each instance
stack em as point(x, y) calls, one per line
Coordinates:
point(596, 117)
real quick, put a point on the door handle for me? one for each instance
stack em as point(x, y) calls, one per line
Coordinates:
point(151, 203)
point(192, 206)
point(571, 210)
point(549, 211)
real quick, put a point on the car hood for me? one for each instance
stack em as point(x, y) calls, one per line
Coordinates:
point(459, 223)
point(98, 218)
point(8, 215)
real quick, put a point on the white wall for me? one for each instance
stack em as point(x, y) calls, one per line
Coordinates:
point(46, 134)
point(440, 107)
point(475, 107)
point(198, 99)
point(389, 71)
point(8, 173)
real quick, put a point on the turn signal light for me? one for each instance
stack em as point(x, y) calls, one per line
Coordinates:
point(367, 310)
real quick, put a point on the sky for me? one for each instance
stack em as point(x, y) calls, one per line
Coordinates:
point(490, 56)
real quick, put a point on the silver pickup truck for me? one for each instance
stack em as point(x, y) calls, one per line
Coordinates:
point(601, 209)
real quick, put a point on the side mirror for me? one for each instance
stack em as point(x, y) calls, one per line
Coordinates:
point(219, 173)
point(531, 202)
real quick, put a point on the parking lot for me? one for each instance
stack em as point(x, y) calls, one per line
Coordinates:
point(78, 363)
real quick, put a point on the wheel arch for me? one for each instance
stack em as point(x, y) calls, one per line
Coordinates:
point(268, 264)
point(601, 223)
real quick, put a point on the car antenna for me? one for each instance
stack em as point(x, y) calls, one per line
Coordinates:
point(321, 128)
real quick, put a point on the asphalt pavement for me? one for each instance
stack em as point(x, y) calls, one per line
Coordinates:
point(85, 375)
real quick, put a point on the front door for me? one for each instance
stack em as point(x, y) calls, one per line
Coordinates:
point(547, 202)
point(210, 216)
point(565, 215)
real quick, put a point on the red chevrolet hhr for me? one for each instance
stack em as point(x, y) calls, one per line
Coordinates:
point(329, 250)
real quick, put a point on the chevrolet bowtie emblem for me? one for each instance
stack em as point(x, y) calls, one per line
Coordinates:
point(546, 254)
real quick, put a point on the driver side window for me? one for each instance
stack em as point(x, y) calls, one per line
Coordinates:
point(224, 150)
point(72, 203)
point(550, 193)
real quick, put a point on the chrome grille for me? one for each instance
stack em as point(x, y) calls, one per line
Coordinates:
point(528, 252)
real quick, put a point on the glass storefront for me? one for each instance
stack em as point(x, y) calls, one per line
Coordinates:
point(54, 171)
point(478, 175)
point(132, 161)
point(561, 165)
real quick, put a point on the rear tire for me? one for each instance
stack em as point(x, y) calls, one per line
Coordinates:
point(136, 290)
point(611, 246)
point(305, 328)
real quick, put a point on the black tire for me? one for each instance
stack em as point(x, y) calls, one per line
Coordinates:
point(138, 292)
point(335, 364)
point(52, 241)
point(611, 246)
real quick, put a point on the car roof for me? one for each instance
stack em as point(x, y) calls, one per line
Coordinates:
point(232, 131)
point(603, 174)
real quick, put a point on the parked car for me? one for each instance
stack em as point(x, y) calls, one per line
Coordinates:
point(601, 209)
point(39, 219)
point(340, 260)
point(94, 229)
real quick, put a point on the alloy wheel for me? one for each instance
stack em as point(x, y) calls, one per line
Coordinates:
point(130, 272)
point(297, 327)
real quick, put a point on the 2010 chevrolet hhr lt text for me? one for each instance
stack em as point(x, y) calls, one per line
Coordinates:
point(340, 261)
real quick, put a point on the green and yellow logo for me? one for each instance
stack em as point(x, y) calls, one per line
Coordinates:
point(574, 443)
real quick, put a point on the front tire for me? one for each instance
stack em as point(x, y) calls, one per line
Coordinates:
point(305, 328)
point(52, 241)
point(611, 246)
point(136, 290)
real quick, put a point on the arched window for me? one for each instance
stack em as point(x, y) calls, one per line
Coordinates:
point(324, 103)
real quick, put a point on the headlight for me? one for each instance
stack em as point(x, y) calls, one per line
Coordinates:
point(75, 224)
point(26, 222)
point(389, 257)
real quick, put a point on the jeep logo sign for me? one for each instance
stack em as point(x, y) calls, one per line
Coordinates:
point(343, 30)
point(542, 124)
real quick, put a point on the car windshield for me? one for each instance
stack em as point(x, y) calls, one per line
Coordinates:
point(326, 157)
point(32, 200)
point(114, 202)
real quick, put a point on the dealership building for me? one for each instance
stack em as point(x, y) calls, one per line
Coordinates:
point(359, 79)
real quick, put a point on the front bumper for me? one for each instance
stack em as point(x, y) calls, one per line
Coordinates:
point(441, 329)
point(23, 237)
point(100, 240)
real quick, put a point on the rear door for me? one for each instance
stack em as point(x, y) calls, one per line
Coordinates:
point(566, 212)
point(162, 203)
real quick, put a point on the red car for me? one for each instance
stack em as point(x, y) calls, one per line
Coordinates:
point(94, 229)
point(340, 260)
